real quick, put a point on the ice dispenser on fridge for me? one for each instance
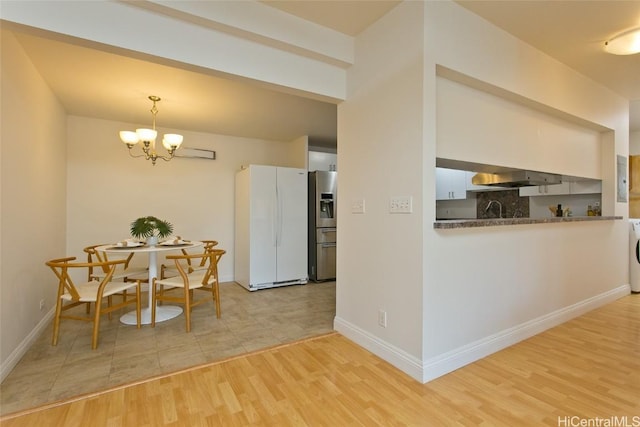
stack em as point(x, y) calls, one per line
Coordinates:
point(322, 225)
point(326, 206)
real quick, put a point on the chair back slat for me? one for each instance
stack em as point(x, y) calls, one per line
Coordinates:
point(214, 256)
point(94, 256)
point(67, 284)
point(186, 269)
point(210, 257)
point(208, 244)
point(208, 247)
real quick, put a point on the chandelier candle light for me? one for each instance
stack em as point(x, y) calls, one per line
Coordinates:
point(170, 141)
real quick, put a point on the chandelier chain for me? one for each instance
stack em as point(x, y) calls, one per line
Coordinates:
point(154, 109)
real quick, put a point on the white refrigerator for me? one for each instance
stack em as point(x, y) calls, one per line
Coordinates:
point(271, 227)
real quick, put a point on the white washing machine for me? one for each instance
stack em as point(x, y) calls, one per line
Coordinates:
point(634, 252)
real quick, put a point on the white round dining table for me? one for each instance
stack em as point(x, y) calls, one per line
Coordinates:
point(163, 312)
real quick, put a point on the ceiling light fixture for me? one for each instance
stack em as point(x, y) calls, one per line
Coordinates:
point(627, 43)
point(170, 141)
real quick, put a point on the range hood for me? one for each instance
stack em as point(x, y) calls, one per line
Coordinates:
point(521, 178)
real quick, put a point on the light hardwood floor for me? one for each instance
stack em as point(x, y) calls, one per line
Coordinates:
point(585, 370)
point(250, 321)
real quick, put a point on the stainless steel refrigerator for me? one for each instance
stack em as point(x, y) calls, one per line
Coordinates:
point(323, 193)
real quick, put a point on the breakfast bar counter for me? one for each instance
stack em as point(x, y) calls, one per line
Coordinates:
point(496, 222)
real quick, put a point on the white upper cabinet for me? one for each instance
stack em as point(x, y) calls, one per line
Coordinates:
point(320, 161)
point(586, 187)
point(567, 187)
point(546, 190)
point(451, 184)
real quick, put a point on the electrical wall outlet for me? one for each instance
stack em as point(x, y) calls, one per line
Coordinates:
point(357, 207)
point(382, 318)
point(401, 204)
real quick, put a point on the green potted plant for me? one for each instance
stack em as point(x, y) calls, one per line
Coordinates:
point(151, 228)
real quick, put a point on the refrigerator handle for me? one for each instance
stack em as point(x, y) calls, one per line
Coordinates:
point(278, 218)
point(274, 219)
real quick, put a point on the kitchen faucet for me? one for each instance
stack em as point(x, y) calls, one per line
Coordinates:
point(491, 202)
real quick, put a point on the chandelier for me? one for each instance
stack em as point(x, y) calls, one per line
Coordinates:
point(170, 141)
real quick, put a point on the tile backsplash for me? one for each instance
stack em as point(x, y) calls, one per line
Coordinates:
point(513, 206)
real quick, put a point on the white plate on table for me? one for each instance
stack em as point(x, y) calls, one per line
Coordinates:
point(175, 243)
point(129, 245)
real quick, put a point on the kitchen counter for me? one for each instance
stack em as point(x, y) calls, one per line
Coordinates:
point(496, 222)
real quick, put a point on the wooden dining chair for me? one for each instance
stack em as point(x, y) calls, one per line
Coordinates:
point(71, 294)
point(167, 271)
point(180, 289)
point(126, 273)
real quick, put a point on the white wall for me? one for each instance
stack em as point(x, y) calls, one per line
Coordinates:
point(33, 197)
point(456, 209)
point(107, 189)
point(480, 289)
point(502, 132)
point(487, 288)
point(279, 50)
point(298, 150)
point(380, 152)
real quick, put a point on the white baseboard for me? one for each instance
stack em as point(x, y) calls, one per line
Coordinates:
point(402, 360)
point(15, 356)
point(444, 363)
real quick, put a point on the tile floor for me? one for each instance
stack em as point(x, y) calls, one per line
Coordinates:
point(250, 321)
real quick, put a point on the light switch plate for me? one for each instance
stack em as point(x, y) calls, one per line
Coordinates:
point(401, 204)
point(357, 207)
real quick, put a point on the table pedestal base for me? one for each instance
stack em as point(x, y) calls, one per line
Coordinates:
point(163, 312)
